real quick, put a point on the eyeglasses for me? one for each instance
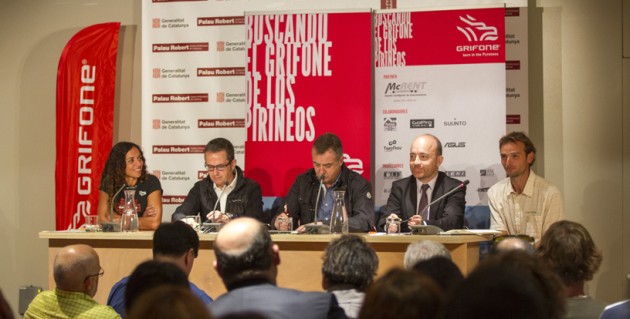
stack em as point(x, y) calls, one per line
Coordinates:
point(523, 237)
point(100, 274)
point(220, 167)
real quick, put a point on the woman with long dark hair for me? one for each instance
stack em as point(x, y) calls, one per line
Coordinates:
point(125, 169)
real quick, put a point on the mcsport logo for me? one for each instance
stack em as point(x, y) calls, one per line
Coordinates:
point(477, 31)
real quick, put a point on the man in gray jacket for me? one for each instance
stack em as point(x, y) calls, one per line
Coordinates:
point(247, 262)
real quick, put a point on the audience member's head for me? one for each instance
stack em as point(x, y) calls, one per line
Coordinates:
point(176, 242)
point(509, 242)
point(442, 270)
point(151, 274)
point(5, 309)
point(169, 301)
point(568, 249)
point(244, 251)
point(402, 294)
point(77, 268)
point(511, 284)
point(349, 261)
point(423, 250)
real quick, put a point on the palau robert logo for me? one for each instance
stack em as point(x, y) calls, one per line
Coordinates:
point(405, 89)
point(479, 36)
point(389, 123)
point(225, 71)
point(180, 47)
point(221, 123)
point(177, 149)
point(392, 146)
point(422, 123)
point(173, 199)
point(220, 21)
point(455, 123)
point(455, 174)
point(176, 23)
point(392, 175)
point(172, 73)
point(180, 98)
point(486, 172)
point(454, 144)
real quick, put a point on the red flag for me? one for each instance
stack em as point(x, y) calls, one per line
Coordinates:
point(86, 80)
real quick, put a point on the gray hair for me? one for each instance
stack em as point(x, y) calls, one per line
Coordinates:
point(423, 250)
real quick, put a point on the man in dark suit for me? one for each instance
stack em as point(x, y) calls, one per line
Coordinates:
point(410, 196)
point(247, 262)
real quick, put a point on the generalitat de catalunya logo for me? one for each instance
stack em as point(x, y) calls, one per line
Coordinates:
point(476, 31)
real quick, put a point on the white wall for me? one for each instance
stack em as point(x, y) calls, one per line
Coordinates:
point(577, 119)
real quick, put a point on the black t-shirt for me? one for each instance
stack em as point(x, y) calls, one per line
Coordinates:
point(142, 189)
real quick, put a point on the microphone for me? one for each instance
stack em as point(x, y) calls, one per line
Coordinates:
point(112, 226)
point(456, 188)
point(213, 226)
point(217, 202)
point(317, 228)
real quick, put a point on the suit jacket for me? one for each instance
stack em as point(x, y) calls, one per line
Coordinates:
point(277, 303)
point(448, 213)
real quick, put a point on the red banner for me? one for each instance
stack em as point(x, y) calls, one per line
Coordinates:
point(307, 74)
point(86, 80)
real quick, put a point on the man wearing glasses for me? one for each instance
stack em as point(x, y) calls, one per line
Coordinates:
point(76, 270)
point(225, 193)
point(328, 174)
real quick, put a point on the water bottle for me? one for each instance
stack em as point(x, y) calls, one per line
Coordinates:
point(339, 215)
point(129, 218)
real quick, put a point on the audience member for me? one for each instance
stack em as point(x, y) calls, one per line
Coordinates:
point(402, 294)
point(331, 173)
point(166, 302)
point(512, 284)
point(523, 203)
point(247, 262)
point(513, 242)
point(568, 249)
point(410, 196)
point(151, 274)
point(619, 310)
point(125, 167)
point(172, 242)
point(76, 270)
point(443, 271)
point(423, 250)
point(225, 193)
point(349, 267)
point(5, 309)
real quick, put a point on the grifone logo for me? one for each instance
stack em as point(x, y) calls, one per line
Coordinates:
point(455, 173)
point(389, 123)
point(455, 144)
point(392, 175)
point(422, 123)
point(404, 87)
point(476, 31)
point(486, 172)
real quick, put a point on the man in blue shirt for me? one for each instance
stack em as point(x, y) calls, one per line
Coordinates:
point(172, 242)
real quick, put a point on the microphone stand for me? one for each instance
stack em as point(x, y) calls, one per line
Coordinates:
point(316, 228)
point(214, 226)
point(113, 226)
point(434, 231)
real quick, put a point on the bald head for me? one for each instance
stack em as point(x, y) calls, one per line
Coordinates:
point(244, 251)
point(514, 243)
point(425, 157)
point(74, 269)
point(237, 236)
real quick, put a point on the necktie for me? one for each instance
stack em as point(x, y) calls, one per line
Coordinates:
point(424, 200)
